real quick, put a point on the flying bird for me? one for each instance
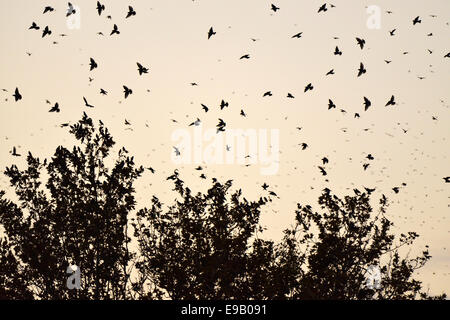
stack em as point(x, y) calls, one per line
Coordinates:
point(309, 87)
point(55, 108)
point(337, 52)
point(267, 94)
point(48, 9)
point(392, 32)
point(141, 69)
point(361, 42)
point(93, 64)
point(17, 96)
point(70, 9)
point(391, 102)
point(330, 72)
point(46, 31)
point(131, 12)
point(323, 8)
point(100, 8)
point(298, 35)
point(14, 152)
point(87, 104)
point(361, 69)
point(211, 32)
point(274, 8)
point(245, 56)
point(289, 95)
point(34, 26)
point(446, 179)
point(331, 104)
point(416, 20)
point(223, 104)
point(103, 92)
point(127, 91)
point(204, 107)
point(367, 104)
point(115, 30)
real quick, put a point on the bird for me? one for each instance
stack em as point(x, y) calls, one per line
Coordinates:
point(17, 96)
point(388, 61)
point(267, 94)
point(100, 8)
point(221, 125)
point(416, 20)
point(370, 157)
point(323, 8)
point(131, 12)
point(274, 8)
point(304, 145)
point(298, 35)
point(48, 9)
point(211, 32)
point(92, 64)
point(115, 30)
point(127, 91)
point(34, 26)
point(265, 186)
point(223, 104)
point(70, 10)
point(365, 166)
point(331, 104)
point(289, 95)
point(103, 92)
point(55, 108)
point(337, 52)
point(195, 123)
point(243, 113)
point(447, 55)
point(357, 115)
point(322, 170)
point(361, 42)
point(245, 56)
point(369, 190)
point(446, 179)
point(14, 152)
point(87, 104)
point(395, 189)
point(324, 160)
point(367, 103)
point(177, 151)
point(308, 87)
point(204, 107)
point(391, 32)
point(151, 169)
point(141, 69)
point(46, 31)
point(330, 72)
point(361, 69)
point(391, 102)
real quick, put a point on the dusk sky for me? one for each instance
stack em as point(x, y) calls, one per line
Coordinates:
point(409, 141)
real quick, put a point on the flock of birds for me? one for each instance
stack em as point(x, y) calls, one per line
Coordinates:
point(222, 125)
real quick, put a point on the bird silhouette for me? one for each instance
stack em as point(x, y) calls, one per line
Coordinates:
point(322, 8)
point(131, 12)
point(274, 8)
point(141, 69)
point(391, 102)
point(221, 125)
point(337, 52)
point(46, 31)
point(204, 107)
point(17, 96)
point(55, 108)
point(87, 104)
point(245, 56)
point(298, 35)
point(115, 30)
point(331, 104)
point(367, 103)
point(243, 113)
point(361, 69)
point(223, 104)
point(322, 170)
point(289, 95)
point(48, 9)
point(361, 42)
point(103, 92)
point(70, 10)
point(392, 32)
point(92, 64)
point(211, 32)
point(330, 72)
point(416, 20)
point(267, 94)
point(308, 87)
point(34, 26)
point(446, 179)
point(127, 91)
point(14, 152)
point(100, 8)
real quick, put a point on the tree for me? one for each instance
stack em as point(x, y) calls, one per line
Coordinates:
point(344, 241)
point(79, 218)
point(206, 246)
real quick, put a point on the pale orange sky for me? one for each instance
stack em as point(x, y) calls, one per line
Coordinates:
point(170, 38)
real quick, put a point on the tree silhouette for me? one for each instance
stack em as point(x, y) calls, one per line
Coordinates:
point(204, 246)
point(80, 218)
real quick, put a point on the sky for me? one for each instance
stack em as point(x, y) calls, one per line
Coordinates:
point(409, 141)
